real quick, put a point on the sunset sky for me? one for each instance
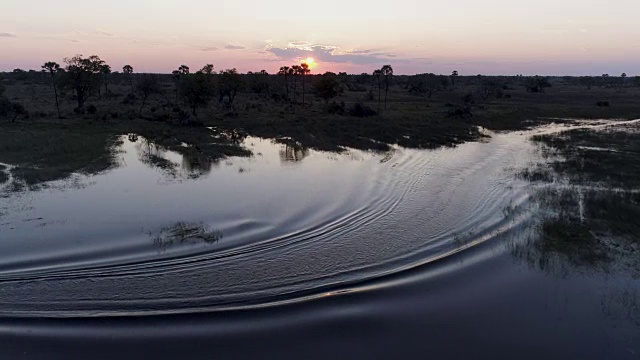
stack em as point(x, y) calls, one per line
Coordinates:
point(569, 37)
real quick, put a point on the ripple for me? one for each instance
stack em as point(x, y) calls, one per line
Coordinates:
point(294, 232)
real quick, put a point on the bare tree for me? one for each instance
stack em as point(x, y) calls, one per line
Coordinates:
point(53, 67)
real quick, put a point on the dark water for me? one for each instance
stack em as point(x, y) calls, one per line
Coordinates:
point(294, 253)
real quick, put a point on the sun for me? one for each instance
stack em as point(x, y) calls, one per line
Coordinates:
point(311, 62)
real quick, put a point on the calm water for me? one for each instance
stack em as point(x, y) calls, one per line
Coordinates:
point(295, 253)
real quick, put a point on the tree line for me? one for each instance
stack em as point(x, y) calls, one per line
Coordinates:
point(90, 77)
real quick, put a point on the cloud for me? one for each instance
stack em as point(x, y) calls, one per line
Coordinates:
point(331, 54)
point(103, 33)
point(7, 35)
point(210, 48)
point(234, 47)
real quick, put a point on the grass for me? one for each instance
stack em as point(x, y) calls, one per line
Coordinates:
point(610, 157)
point(594, 219)
point(43, 152)
point(45, 148)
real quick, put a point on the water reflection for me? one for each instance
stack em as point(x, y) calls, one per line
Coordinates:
point(293, 153)
point(192, 163)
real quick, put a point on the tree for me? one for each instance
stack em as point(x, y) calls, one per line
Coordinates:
point(489, 88)
point(229, 84)
point(537, 84)
point(454, 76)
point(426, 84)
point(53, 67)
point(587, 81)
point(10, 109)
point(259, 82)
point(387, 74)
point(147, 86)
point(105, 70)
point(285, 72)
point(184, 69)
point(304, 70)
point(83, 77)
point(327, 87)
point(197, 90)
point(377, 75)
point(207, 69)
point(128, 71)
point(296, 71)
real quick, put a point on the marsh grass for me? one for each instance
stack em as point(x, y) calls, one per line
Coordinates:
point(4, 176)
point(592, 218)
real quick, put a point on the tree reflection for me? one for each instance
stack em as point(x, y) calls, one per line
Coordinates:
point(194, 164)
point(290, 153)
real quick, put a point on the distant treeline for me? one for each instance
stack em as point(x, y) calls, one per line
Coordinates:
point(91, 77)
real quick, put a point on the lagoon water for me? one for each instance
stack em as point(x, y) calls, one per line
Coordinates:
point(295, 253)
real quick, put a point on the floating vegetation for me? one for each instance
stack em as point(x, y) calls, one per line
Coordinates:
point(185, 232)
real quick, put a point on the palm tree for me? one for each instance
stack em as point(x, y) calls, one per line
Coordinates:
point(105, 70)
point(304, 70)
point(387, 73)
point(128, 70)
point(295, 69)
point(284, 71)
point(377, 75)
point(454, 76)
point(53, 67)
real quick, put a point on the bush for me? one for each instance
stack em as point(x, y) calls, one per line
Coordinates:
point(361, 110)
point(129, 99)
point(92, 109)
point(335, 108)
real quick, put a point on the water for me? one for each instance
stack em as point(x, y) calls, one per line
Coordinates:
point(301, 254)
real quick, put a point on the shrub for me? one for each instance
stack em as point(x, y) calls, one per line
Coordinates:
point(129, 99)
point(361, 110)
point(92, 109)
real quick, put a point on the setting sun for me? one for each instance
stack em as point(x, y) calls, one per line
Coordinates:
point(311, 62)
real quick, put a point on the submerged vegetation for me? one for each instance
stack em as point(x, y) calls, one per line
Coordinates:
point(591, 212)
point(185, 232)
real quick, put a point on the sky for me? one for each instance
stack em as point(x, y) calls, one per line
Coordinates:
point(545, 37)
